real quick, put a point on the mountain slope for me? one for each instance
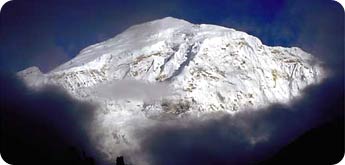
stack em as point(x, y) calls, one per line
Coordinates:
point(180, 69)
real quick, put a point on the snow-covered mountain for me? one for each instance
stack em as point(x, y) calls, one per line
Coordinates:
point(174, 68)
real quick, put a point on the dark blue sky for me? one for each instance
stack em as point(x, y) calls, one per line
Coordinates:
point(48, 33)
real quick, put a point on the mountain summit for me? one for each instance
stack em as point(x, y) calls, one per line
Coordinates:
point(170, 68)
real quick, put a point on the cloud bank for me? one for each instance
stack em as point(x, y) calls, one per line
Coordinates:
point(132, 89)
point(244, 138)
point(44, 127)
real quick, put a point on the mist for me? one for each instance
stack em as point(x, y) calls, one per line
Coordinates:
point(132, 89)
point(45, 126)
point(244, 138)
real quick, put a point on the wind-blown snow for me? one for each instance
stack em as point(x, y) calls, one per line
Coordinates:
point(206, 68)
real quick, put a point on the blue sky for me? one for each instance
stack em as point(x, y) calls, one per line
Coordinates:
point(46, 34)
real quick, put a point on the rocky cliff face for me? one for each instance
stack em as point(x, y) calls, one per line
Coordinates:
point(205, 68)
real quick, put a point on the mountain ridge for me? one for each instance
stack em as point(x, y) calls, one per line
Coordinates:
point(203, 68)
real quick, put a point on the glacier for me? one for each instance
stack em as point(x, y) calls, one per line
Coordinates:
point(170, 69)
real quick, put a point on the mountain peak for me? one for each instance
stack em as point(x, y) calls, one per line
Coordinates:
point(170, 20)
point(208, 68)
point(160, 24)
